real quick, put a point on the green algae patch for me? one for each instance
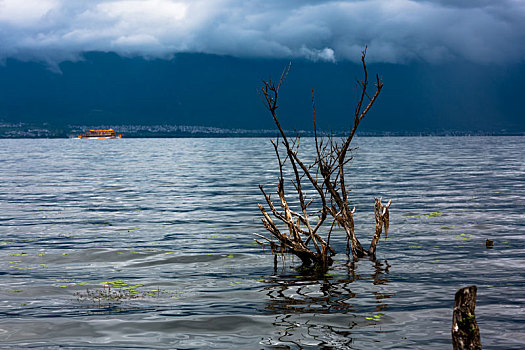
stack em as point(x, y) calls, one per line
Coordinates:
point(66, 235)
point(67, 282)
point(464, 236)
point(17, 254)
point(433, 214)
point(236, 283)
point(375, 317)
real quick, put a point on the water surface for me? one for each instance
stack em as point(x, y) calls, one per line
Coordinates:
point(168, 223)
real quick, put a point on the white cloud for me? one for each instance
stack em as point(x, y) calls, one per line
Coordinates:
point(395, 30)
point(136, 40)
point(326, 54)
point(24, 13)
point(143, 13)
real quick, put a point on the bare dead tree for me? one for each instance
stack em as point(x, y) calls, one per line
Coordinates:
point(319, 188)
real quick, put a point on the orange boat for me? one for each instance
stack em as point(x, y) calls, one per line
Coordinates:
point(100, 134)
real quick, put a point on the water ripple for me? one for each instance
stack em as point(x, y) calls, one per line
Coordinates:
point(147, 243)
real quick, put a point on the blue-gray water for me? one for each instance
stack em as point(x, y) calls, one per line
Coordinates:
point(170, 222)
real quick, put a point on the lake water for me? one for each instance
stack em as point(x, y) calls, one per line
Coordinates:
point(167, 224)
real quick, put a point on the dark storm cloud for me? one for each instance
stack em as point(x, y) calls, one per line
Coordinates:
point(396, 31)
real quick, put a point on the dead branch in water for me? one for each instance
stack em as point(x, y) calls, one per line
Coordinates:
point(319, 189)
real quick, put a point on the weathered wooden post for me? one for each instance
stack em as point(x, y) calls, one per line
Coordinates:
point(465, 330)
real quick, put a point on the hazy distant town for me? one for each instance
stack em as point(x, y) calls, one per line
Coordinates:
point(27, 130)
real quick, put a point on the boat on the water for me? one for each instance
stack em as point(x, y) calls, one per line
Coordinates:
point(100, 134)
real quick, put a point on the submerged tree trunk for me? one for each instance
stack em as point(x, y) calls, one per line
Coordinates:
point(465, 330)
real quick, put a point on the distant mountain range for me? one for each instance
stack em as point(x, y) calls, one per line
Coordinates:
point(220, 93)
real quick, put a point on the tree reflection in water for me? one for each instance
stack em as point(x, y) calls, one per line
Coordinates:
point(324, 312)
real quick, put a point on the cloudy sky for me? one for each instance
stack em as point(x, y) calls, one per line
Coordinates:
point(447, 64)
point(396, 31)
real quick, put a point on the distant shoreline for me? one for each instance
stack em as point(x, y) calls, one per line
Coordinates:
point(32, 131)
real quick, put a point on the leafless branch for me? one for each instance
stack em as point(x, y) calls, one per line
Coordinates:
point(325, 175)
